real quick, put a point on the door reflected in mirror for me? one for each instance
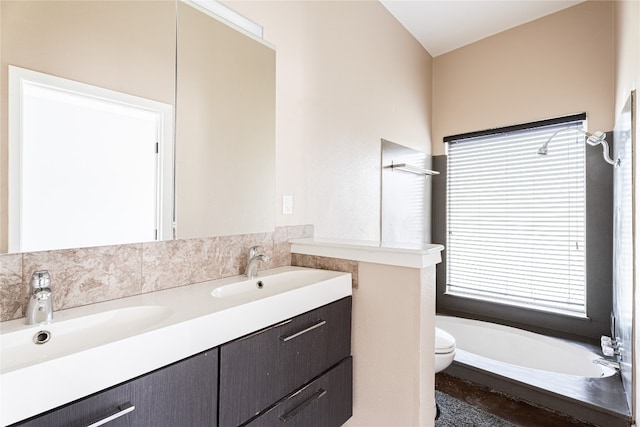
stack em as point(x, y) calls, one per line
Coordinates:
point(89, 166)
point(224, 127)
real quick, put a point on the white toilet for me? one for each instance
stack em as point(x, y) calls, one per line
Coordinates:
point(445, 349)
point(445, 352)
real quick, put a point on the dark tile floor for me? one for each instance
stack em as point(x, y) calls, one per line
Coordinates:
point(456, 413)
point(517, 412)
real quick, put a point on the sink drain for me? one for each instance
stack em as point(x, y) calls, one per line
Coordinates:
point(259, 285)
point(42, 337)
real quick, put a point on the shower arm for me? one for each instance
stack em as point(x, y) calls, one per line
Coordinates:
point(593, 139)
point(605, 153)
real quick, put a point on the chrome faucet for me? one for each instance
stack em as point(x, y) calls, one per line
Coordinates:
point(252, 263)
point(40, 306)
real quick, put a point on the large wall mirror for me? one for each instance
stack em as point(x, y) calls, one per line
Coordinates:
point(218, 84)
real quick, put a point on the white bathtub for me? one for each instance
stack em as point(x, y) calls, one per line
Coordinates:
point(520, 348)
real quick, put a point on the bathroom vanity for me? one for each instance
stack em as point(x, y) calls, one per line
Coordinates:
point(289, 359)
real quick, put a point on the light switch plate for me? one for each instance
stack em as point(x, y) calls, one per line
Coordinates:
point(287, 204)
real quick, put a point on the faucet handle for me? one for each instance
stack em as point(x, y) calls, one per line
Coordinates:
point(40, 279)
point(253, 251)
point(44, 294)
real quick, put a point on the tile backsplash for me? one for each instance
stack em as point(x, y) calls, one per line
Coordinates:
point(90, 275)
point(326, 263)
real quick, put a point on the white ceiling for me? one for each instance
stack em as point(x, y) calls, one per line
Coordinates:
point(444, 25)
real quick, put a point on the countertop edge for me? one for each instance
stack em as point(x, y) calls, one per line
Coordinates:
point(411, 256)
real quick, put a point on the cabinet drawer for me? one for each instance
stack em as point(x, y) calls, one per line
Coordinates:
point(183, 394)
point(99, 407)
point(180, 395)
point(326, 402)
point(258, 370)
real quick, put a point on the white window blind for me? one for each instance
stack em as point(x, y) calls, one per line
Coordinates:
point(516, 219)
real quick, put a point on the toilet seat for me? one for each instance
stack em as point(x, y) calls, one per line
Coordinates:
point(445, 343)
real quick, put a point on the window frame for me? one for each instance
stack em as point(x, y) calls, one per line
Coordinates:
point(599, 222)
point(505, 207)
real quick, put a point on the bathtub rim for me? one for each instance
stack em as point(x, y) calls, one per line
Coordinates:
point(580, 397)
point(584, 348)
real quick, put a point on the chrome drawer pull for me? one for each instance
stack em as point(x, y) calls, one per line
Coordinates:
point(297, 334)
point(123, 409)
point(304, 405)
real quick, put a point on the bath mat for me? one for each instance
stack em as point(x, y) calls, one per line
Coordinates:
point(456, 413)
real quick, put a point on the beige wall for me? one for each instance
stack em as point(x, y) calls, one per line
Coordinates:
point(554, 66)
point(627, 50)
point(393, 336)
point(347, 75)
point(225, 129)
point(627, 60)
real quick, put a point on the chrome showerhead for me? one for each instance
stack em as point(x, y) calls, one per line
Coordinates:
point(593, 139)
point(544, 148)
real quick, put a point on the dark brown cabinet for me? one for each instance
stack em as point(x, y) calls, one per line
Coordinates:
point(298, 371)
point(326, 401)
point(183, 394)
point(115, 404)
point(258, 370)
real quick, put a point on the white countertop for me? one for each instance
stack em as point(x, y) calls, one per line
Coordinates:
point(402, 255)
point(101, 345)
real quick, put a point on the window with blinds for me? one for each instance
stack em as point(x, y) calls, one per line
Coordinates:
point(516, 219)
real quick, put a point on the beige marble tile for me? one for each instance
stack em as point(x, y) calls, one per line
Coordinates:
point(324, 263)
point(88, 275)
point(282, 247)
point(238, 249)
point(300, 231)
point(182, 262)
point(170, 264)
point(10, 270)
point(227, 256)
point(12, 303)
point(12, 293)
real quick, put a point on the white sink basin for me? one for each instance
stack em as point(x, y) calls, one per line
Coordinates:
point(98, 346)
point(262, 287)
point(19, 348)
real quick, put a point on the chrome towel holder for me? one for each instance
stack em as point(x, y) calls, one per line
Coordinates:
point(404, 167)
